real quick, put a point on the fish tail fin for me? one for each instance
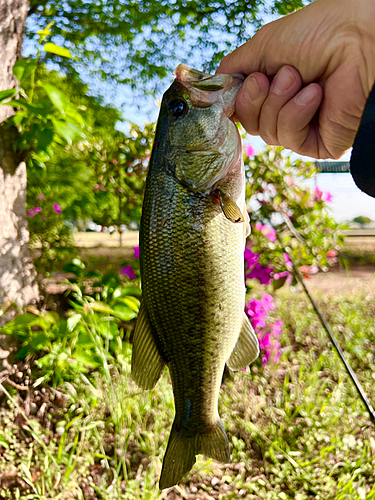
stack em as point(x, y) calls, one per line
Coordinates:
point(180, 455)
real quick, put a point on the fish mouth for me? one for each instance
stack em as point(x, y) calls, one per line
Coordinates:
point(205, 89)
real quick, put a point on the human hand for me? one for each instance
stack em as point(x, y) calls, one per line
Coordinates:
point(320, 61)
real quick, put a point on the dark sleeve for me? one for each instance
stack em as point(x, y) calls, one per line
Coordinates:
point(362, 162)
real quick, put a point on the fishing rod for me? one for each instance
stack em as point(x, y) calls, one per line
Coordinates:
point(324, 323)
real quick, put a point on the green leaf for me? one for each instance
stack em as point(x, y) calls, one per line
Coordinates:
point(276, 284)
point(59, 51)
point(44, 138)
point(73, 321)
point(85, 359)
point(131, 302)
point(41, 109)
point(122, 311)
point(67, 131)
point(130, 290)
point(56, 96)
point(23, 68)
point(46, 31)
point(4, 442)
point(5, 94)
point(100, 307)
point(19, 324)
point(108, 329)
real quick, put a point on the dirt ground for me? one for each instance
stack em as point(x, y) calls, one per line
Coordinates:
point(341, 281)
point(355, 277)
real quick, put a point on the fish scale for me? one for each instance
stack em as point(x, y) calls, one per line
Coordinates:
point(192, 268)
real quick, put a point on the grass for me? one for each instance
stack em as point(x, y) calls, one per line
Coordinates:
point(297, 430)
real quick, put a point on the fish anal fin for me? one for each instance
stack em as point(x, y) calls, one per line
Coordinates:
point(147, 363)
point(182, 448)
point(229, 208)
point(246, 349)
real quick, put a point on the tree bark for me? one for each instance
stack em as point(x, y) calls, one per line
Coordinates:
point(18, 287)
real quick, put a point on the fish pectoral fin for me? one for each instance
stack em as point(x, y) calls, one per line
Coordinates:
point(246, 349)
point(180, 455)
point(229, 208)
point(147, 363)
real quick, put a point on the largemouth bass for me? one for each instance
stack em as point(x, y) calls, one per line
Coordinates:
point(193, 230)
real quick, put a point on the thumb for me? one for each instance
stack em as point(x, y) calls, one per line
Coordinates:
point(248, 58)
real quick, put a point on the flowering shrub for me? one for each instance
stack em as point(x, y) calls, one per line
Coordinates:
point(287, 219)
point(128, 270)
point(267, 332)
point(50, 237)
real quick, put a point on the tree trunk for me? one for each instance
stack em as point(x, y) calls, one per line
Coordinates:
point(17, 273)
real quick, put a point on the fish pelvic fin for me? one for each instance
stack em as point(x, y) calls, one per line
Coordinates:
point(180, 455)
point(246, 349)
point(147, 363)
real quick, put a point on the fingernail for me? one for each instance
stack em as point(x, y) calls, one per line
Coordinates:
point(306, 96)
point(251, 90)
point(283, 81)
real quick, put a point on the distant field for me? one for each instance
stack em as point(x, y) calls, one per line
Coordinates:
point(360, 243)
point(363, 242)
point(87, 240)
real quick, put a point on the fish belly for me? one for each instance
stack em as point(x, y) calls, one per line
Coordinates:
point(193, 288)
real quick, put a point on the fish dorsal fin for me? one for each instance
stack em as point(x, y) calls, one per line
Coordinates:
point(147, 363)
point(246, 349)
point(229, 208)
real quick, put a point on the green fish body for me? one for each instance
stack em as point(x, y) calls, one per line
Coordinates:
point(193, 230)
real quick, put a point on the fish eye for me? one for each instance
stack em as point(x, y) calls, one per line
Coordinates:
point(178, 108)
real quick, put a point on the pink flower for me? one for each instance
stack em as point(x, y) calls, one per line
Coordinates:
point(256, 313)
point(136, 252)
point(256, 310)
point(265, 341)
point(267, 231)
point(262, 273)
point(250, 257)
point(289, 181)
point(288, 262)
point(327, 197)
point(332, 253)
point(129, 271)
point(57, 208)
point(276, 350)
point(40, 197)
point(249, 151)
point(265, 357)
point(33, 211)
point(277, 328)
point(309, 269)
point(278, 276)
point(318, 194)
point(267, 302)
